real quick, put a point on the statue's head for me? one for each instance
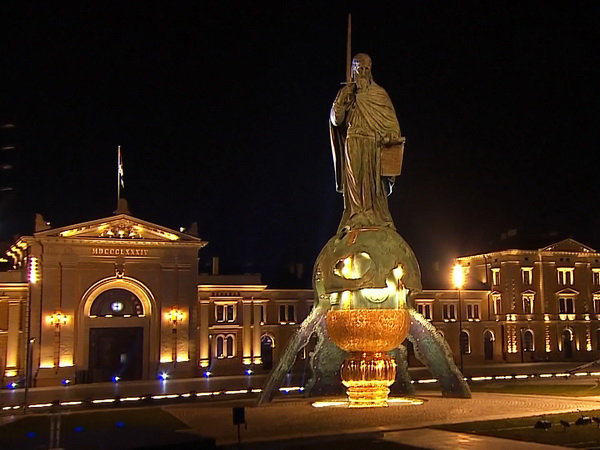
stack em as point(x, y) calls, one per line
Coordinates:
point(361, 70)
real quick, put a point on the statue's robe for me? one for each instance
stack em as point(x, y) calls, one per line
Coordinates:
point(357, 132)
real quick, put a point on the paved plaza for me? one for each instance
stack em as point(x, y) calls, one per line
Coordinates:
point(256, 381)
point(297, 420)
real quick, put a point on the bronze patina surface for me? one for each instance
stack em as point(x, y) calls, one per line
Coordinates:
point(364, 276)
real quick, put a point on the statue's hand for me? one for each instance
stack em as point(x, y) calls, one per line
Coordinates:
point(346, 95)
point(391, 138)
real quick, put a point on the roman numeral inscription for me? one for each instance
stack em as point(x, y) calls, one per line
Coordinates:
point(120, 251)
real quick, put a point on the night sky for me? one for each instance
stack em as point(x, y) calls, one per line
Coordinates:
point(222, 115)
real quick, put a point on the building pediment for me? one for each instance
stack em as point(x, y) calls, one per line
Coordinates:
point(567, 291)
point(121, 227)
point(568, 245)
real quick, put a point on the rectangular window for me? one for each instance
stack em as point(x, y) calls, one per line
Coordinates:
point(220, 313)
point(565, 275)
point(527, 304)
point(225, 313)
point(497, 304)
point(282, 314)
point(527, 275)
point(263, 314)
point(425, 310)
point(449, 311)
point(472, 312)
point(287, 314)
point(597, 304)
point(566, 305)
point(496, 276)
point(596, 277)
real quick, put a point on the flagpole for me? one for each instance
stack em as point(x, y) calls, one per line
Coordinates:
point(118, 175)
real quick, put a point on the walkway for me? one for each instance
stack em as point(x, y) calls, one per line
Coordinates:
point(299, 420)
point(448, 440)
point(255, 381)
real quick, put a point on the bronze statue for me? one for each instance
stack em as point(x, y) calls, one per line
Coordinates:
point(365, 275)
point(362, 123)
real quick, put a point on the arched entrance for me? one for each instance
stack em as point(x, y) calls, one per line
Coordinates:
point(488, 345)
point(116, 351)
point(266, 351)
point(115, 339)
point(567, 343)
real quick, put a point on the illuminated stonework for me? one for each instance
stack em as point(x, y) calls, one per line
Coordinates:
point(512, 339)
point(548, 339)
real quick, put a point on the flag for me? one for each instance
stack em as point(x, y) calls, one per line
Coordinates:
point(120, 172)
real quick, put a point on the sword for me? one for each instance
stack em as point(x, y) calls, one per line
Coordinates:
point(349, 51)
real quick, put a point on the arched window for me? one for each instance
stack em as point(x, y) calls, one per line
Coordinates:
point(465, 342)
point(230, 347)
point(488, 344)
point(224, 346)
point(528, 341)
point(568, 334)
point(219, 347)
point(117, 303)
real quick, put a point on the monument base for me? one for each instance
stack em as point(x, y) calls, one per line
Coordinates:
point(368, 377)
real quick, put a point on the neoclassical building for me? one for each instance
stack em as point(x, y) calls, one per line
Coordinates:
point(539, 305)
point(120, 298)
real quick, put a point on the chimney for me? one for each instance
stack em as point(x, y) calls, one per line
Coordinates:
point(215, 265)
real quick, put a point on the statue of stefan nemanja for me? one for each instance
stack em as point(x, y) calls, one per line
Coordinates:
point(366, 274)
point(362, 124)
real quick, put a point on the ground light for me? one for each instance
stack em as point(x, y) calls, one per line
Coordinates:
point(66, 382)
point(249, 372)
point(163, 376)
point(289, 389)
point(116, 379)
point(207, 373)
point(391, 401)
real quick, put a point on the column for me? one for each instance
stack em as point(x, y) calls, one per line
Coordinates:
point(12, 350)
point(204, 352)
point(256, 333)
point(247, 332)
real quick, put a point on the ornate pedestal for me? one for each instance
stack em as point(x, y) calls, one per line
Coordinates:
point(368, 334)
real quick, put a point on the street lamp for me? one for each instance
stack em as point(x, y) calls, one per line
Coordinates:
point(458, 279)
point(28, 364)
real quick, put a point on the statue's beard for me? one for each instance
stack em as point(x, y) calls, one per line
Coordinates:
point(363, 82)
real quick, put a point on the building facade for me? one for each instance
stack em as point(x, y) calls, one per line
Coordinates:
point(121, 299)
point(543, 305)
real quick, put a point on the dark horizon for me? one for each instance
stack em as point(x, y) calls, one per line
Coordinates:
point(222, 114)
